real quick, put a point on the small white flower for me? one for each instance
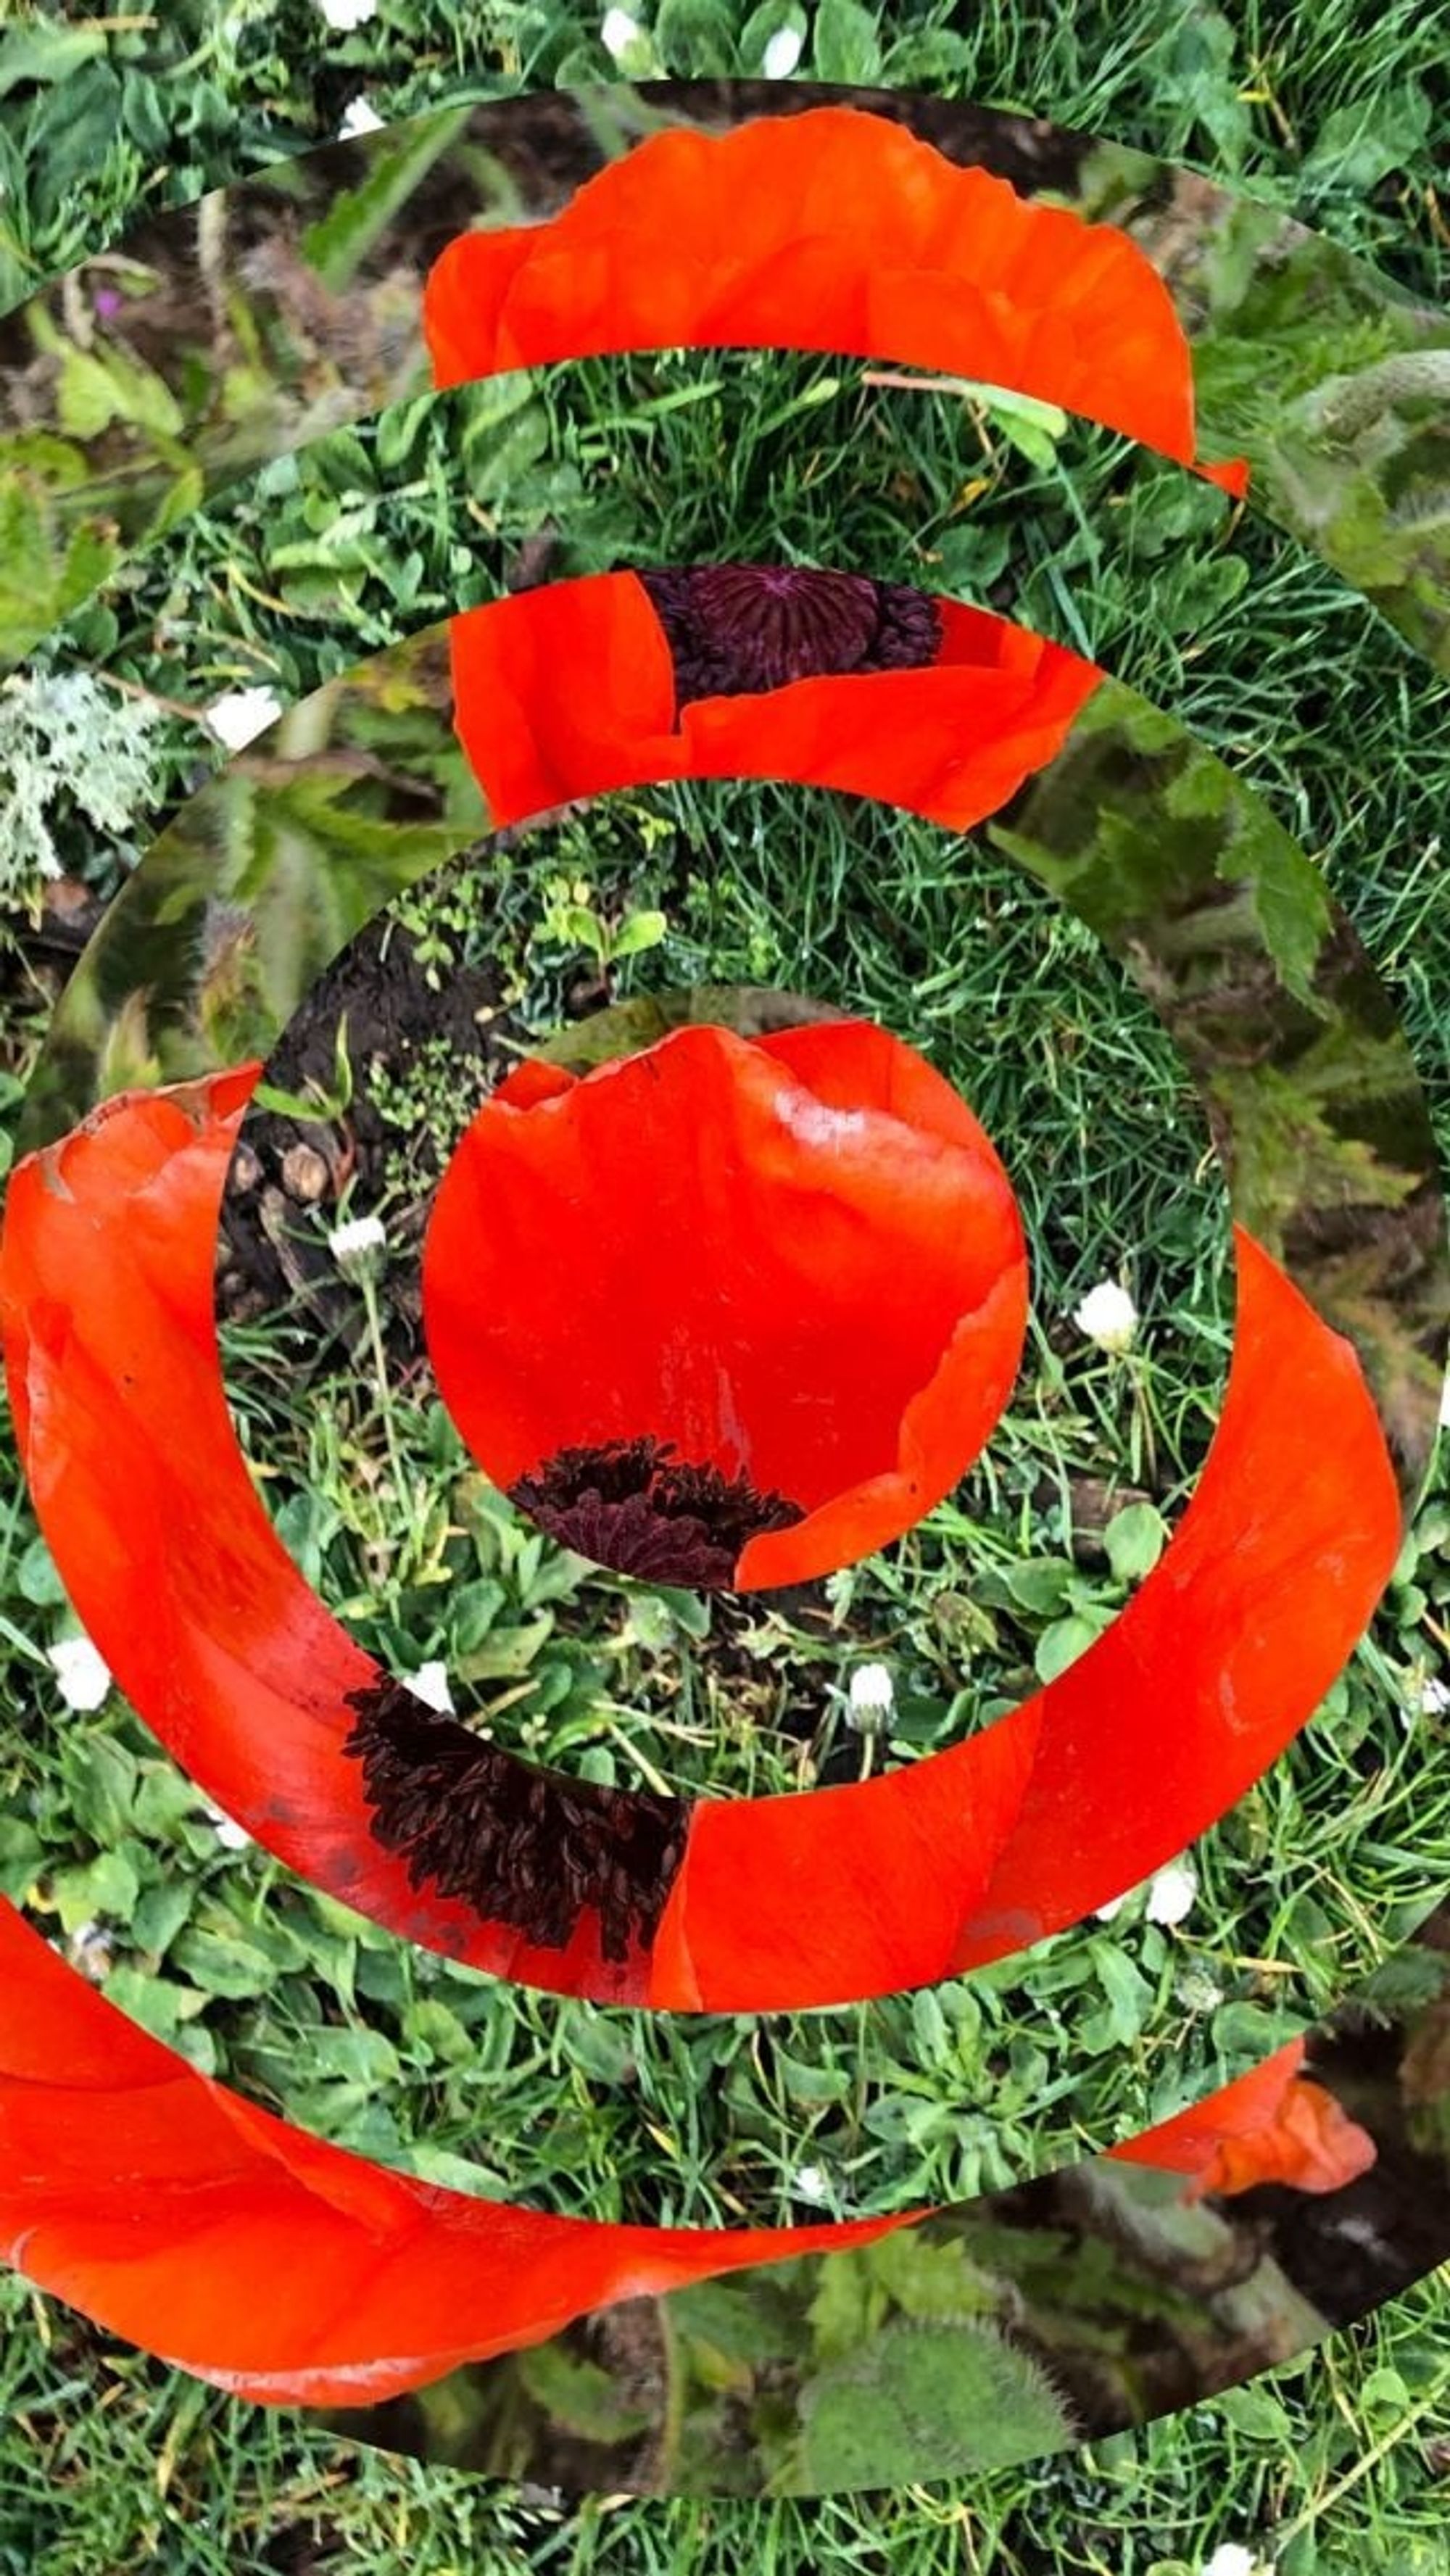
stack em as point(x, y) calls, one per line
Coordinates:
point(359, 119)
point(871, 1695)
point(1108, 1316)
point(811, 2182)
point(782, 54)
point(344, 15)
point(430, 1683)
point(619, 32)
point(89, 1949)
point(1171, 1892)
point(1232, 2559)
point(81, 1672)
point(241, 715)
point(1433, 1697)
point(355, 1246)
point(231, 1835)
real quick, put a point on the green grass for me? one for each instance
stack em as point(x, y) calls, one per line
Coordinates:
point(107, 2460)
point(1333, 117)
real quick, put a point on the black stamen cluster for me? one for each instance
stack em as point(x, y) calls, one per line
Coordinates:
point(524, 1847)
point(736, 629)
point(638, 1508)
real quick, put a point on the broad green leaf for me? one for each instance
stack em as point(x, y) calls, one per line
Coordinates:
point(223, 1963)
point(695, 39)
point(103, 1782)
point(579, 2395)
point(642, 930)
point(1135, 1539)
point(925, 2401)
point(45, 53)
point(160, 1913)
point(107, 1885)
point(847, 47)
point(1062, 1643)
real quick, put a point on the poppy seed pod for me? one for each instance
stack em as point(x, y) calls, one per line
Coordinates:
point(749, 671)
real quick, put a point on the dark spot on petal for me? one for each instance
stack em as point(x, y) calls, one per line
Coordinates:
point(524, 1847)
point(636, 1507)
point(736, 629)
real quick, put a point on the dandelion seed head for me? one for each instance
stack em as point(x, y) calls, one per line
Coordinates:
point(871, 1695)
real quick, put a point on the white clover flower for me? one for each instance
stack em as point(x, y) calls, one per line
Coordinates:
point(81, 1672)
point(1171, 1892)
point(343, 15)
point(430, 1683)
point(782, 53)
point(618, 33)
point(1433, 1698)
point(241, 715)
point(355, 1246)
point(1232, 2559)
point(1115, 1905)
point(1108, 1316)
point(231, 1835)
point(812, 2183)
point(871, 1696)
point(359, 119)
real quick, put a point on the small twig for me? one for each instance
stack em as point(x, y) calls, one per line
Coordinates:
point(897, 382)
point(154, 698)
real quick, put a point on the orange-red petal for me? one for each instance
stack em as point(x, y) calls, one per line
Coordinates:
point(1228, 1648)
point(1221, 1657)
point(832, 230)
point(796, 1259)
point(286, 2270)
point(568, 691)
point(106, 1273)
point(1311, 2145)
point(292, 2272)
point(1274, 2124)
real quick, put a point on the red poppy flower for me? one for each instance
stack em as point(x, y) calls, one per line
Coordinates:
point(630, 678)
point(106, 1279)
point(1273, 2125)
point(288, 2271)
point(728, 1311)
point(155, 2200)
point(1172, 1713)
point(834, 230)
point(144, 1498)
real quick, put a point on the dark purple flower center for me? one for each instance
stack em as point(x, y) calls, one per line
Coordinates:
point(736, 629)
point(636, 1507)
point(520, 1846)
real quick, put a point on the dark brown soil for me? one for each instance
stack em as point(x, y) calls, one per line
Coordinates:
point(288, 1173)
